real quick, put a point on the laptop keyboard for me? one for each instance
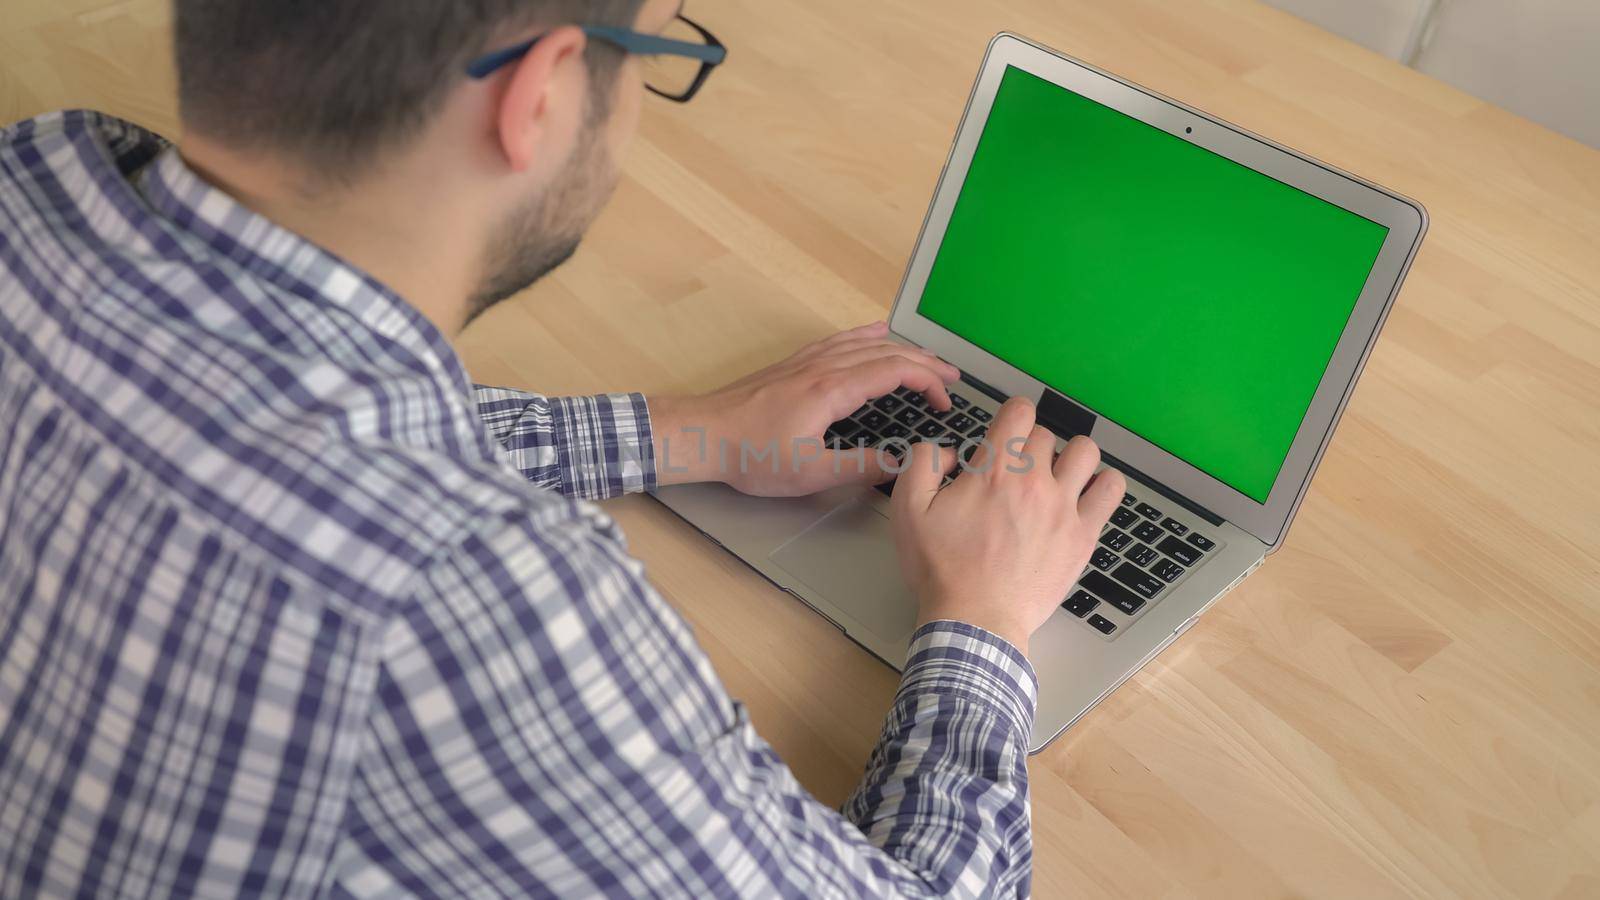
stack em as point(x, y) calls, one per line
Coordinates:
point(1143, 551)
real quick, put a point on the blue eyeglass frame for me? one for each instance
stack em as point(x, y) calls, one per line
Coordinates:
point(710, 54)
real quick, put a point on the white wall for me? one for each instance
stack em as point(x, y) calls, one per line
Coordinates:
point(1538, 58)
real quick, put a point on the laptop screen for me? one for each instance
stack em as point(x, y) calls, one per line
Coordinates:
point(1191, 300)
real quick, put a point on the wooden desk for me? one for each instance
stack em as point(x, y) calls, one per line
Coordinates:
point(1405, 701)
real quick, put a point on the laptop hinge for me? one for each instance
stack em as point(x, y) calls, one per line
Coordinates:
point(1162, 489)
point(983, 387)
point(1067, 419)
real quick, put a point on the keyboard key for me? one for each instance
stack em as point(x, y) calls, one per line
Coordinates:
point(982, 415)
point(1110, 591)
point(1080, 604)
point(909, 416)
point(894, 430)
point(1167, 570)
point(917, 401)
point(1141, 555)
point(959, 402)
point(1143, 583)
point(1201, 541)
point(1104, 559)
point(977, 434)
point(1116, 539)
point(873, 419)
point(930, 429)
point(1123, 517)
point(1147, 532)
point(1148, 511)
point(1178, 550)
point(888, 403)
point(1102, 624)
point(844, 428)
point(1127, 499)
point(1174, 526)
point(959, 423)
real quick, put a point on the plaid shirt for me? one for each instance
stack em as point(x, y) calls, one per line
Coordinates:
point(288, 607)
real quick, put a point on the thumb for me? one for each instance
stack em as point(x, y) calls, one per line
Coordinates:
point(922, 473)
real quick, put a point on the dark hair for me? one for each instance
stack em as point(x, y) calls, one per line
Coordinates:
point(335, 81)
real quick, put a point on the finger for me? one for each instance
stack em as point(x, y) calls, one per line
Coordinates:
point(856, 357)
point(1014, 420)
point(870, 331)
point(919, 481)
point(1077, 463)
point(865, 466)
point(865, 343)
point(848, 388)
point(860, 332)
point(1101, 497)
point(1040, 449)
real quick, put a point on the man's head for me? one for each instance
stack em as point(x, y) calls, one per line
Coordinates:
point(348, 92)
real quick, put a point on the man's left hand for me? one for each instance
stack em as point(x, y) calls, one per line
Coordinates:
point(763, 433)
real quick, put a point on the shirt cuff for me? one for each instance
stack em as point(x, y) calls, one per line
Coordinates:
point(603, 444)
point(948, 657)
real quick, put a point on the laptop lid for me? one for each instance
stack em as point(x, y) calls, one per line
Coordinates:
point(1194, 297)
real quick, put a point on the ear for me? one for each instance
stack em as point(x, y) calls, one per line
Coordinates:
point(539, 89)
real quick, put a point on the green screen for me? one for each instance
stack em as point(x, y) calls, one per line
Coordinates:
point(1189, 299)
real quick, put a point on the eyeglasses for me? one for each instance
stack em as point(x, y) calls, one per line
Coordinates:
point(678, 61)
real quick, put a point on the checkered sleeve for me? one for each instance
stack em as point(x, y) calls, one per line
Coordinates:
point(544, 724)
point(589, 447)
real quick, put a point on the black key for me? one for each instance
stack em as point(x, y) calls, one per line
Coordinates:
point(930, 429)
point(917, 400)
point(1174, 526)
point(894, 430)
point(1080, 604)
point(1127, 499)
point(959, 402)
point(1112, 592)
point(1148, 511)
point(1167, 570)
point(873, 419)
point(1147, 532)
point(969, 449)
point(959, 423)
point(1178, 550)
point(982, 415)
point(908, 416)
point(1201, 541)
point(978, 433)
point(1104, 559)
point(1143, 583)
point(1115, 539)
point(888, 403)
point(1141, 555)
point(1123, 517)
point(844, 428)
point(1102, 624)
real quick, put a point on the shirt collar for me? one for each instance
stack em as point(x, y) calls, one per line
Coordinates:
point(293, 263)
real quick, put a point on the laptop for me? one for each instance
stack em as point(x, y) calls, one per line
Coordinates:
point(1194, 297)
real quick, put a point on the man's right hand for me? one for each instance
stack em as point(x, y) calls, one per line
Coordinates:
point(999, 547)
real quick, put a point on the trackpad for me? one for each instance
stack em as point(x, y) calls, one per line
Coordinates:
point(848, 559)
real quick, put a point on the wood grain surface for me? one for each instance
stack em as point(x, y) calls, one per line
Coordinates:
point(1404, 702)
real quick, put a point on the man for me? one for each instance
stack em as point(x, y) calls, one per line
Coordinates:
point(290, 608)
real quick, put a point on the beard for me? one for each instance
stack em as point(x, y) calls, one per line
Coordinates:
point(546, 231)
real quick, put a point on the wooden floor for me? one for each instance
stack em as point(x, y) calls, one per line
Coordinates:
point(1404, 702)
